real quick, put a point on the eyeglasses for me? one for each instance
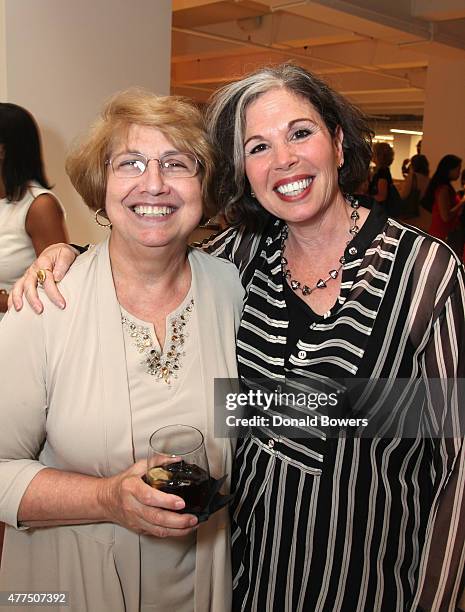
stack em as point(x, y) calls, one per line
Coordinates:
point(172, 165)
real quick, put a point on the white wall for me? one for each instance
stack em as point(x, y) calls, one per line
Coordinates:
point(3, 89)
point(401, 146)
point(413, 144)
point(64, 58)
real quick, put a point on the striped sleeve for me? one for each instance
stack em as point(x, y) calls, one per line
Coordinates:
point(443, 559)
point(236, 244)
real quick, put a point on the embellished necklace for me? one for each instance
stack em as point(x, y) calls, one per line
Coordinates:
point(332, 274)
point(162, 367)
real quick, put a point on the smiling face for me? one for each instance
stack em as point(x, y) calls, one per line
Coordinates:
point(150, 210)
point(291, 159)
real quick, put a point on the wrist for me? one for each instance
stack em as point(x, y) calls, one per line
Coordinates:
point(103, 498)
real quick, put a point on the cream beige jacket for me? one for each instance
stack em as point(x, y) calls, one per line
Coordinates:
point(64, 403)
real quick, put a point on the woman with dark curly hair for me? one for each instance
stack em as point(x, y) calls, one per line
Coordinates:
point(327, 518)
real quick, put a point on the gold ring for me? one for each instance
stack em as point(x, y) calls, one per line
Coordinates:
point(41, 275)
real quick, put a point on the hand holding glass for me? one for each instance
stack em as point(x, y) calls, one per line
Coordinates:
point(177, 463)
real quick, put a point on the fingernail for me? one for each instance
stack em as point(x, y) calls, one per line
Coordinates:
point(61, 305)
point(193, 521)
point(179, 504)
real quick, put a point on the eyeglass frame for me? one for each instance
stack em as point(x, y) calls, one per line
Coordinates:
point(198, 164)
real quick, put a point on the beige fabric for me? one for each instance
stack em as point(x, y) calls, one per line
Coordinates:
point(155, 404)
point(65, 400)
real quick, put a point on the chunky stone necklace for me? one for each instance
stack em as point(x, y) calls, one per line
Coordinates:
point(162, 366)
point(332, 274)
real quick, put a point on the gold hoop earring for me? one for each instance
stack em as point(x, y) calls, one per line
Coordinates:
point(252, 193)
point(340, 164)
point(97, 220)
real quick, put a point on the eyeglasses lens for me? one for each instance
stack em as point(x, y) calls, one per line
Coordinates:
point(181, 165)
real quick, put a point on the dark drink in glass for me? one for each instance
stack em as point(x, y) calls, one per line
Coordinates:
point(177, 463)
point(186, 480)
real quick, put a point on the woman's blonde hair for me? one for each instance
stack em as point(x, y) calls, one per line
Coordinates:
point(176, 117)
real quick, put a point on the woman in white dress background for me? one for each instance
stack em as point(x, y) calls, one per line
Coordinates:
point(31, 217)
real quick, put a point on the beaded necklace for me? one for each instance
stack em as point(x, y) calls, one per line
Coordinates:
point(332, 274)
point(162, 366)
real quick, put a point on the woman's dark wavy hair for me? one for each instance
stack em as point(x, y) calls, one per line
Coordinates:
point(226, 125)
point(383, 154)
point(420, 164)
point(22, 161)
point(440, 177)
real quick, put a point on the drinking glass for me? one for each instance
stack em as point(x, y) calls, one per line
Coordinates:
point(177, 463)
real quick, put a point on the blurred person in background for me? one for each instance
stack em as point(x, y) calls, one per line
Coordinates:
point(382, 188)
point(31, 217)
point(405, 167)
point(461, 191)
point(414, 188)
point(461, 195)
point(442, 200)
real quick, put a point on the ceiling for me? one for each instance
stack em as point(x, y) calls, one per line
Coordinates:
point(376, 52)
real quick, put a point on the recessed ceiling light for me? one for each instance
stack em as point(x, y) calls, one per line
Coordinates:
point(406, 132)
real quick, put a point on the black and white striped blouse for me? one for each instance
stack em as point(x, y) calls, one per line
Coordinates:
point(353, 524)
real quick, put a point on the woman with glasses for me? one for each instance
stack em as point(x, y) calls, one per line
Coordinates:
point(31, 218)
point(149, 325)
